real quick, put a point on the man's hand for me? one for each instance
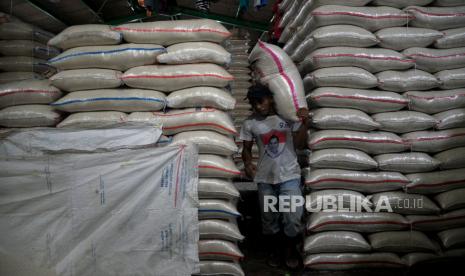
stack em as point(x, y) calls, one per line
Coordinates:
point(303, 115)
point(250, 170)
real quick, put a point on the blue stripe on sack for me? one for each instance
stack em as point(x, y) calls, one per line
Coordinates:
point(218, 211)
point(104, 52)
point(109, 99)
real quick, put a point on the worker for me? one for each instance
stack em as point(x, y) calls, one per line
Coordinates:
point(277, 172)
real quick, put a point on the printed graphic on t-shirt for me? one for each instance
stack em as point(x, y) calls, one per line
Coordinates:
point(274, 142)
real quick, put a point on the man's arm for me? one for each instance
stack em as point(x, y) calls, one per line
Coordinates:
point(249, 167)
point(301, 135)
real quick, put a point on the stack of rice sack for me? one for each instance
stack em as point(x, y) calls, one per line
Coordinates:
point(24, 93)
point(388, 123)
point(238, 45)
point(190, 71)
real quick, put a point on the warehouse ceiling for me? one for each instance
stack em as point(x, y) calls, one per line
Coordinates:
point(55, 15)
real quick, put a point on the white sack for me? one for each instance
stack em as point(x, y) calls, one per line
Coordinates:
point(346, 159)
point(435, 60)
point(350, 77)
point(219, 250)
point(451, 200)
point(86, 35)
point(452, 159)
point(435, 141)
point(453, 118)
point(369, 101)
point(453, 238)
point(195, 52)
point(336, 242)
point(27, 48)
point(125, 100)
point(217, 209)
point(219, 229)
point(201, 97)
point(453, 38)
point(451, 79)
point(402, 81)
point(400, 38)
point(342, 118)
point(211, 188)
point(346, 261)
point(448, 3)
point(344, 198)
point(220, 268)
point(410, 162)
point(172, 32)
point(28, 92)
point(372, 142)
point(438, 18)
point(412, 259)
point(401, 242)
point(29, 116)
point(90, 120)
point(217, 166)
point(6, 77)
point(445, 221)
point(290, 13)
point(117, 57)
point(25, 64)
point(168, 78)
point(208, 142)
point(401, 3)
point(436, 182)
point(404, 121)
point(406, 204)
point(87, 79)
point(20, 30)
point(435, 101)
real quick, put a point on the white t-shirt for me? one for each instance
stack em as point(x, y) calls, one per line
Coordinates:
point(278, 161)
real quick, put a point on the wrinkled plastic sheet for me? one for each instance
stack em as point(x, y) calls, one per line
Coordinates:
point(123, 212)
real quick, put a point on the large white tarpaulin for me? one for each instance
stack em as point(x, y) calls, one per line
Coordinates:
point(123, 212)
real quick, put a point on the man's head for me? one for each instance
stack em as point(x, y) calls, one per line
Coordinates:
point(273, 144)
point(261, 99)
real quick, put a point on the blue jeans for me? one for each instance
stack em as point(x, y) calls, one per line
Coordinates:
point(271, 221)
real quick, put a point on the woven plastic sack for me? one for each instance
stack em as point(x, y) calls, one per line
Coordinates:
point(369, 101)
point(406, 204)
point(279, 73)
point(28, 92)
point(451, 79)
point(400, 38)
point(448, 3)
point(316, 198)
point(189, 119)
point(329, 36)
point(346, 261)
point(346, 159)
point(26, 64)
point(436, 182)
point(94, 119)
point(401, 242)
point(342, 118)
point(217, 166)
point(336, 242)
point(220, 268)
point(404, 121)
point(350, 77)
point(86, 35)
point(435, 101)
point(125, 100)
point(217, 188)
point(217, 209)
point(27, 48)
point(16, 30)
point(87, 79)
point(172, 32)
point(290, 13)
point(29, 116)
point(454, 219)
point(435, 141)
point(201, 97)
point(452, 159)
point(451, 200)
point(410, 162)
point(435, 60)
point(402, 81)
point(6, 77)
point(401, 3)
point(219, 229)
point(219, 250)
point(364, 182)
point(452, 38)
point(453, 118)
point(168, 78)
point(373, 142)
point(117, 57)
point(208, 142)
point(195, 52)
point(453, 238)
point(371, 59)
point(412, 259)
point(357, 222)
point(438, 18)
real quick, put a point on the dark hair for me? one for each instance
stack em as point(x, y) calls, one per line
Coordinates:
point(258, 92)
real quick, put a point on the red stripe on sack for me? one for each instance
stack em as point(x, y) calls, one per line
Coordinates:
point(221, 253)
point(436, 138)
point(358, 222)
point(184, 113)
point(439, 97)
point(365, 15)
point(363, 56)
point(428, 56)
point(282, 73)
point(437, 184)
point(356, 181)
point(359, 98)
point(219, 169)
point(154, 30)
point(437, 14)
point(357, 140)
point(437, 220)
point(356, 262)
point(178, 165)
point(203, 124)
point(28, 91)
point(178, 76)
